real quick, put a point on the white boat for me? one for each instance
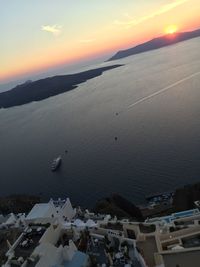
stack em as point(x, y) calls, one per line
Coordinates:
point(56, 163)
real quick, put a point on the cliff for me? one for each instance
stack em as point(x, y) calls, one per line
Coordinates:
point(119, 206)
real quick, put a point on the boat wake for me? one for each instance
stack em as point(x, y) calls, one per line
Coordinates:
point(161, 91)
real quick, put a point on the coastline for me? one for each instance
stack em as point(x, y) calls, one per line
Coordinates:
point(44, 88)
point(18, 203)
point(115, 204)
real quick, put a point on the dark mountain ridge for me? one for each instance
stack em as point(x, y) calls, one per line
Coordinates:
point(44, 88)
point(157, 43)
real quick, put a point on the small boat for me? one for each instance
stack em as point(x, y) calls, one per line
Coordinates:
point(56, 163)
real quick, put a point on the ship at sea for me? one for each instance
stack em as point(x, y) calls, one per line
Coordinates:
point(56, 163)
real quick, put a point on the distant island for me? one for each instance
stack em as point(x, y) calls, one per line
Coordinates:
point(156, 43)
point(41, 89)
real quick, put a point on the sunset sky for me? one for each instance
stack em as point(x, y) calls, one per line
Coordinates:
point(38, 34)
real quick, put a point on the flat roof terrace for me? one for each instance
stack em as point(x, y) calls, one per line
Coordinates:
point(29, 242)
point(190, 242)
point(182, 258)
point(181, 233)
point(147, 249)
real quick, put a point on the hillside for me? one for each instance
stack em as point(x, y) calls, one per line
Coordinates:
point(119, 206)
point(44, 88)
point(157, 43)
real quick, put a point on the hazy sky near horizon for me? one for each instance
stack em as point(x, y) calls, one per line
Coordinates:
point(38, 34)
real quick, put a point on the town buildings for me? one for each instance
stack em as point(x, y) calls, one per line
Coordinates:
point(54, 234)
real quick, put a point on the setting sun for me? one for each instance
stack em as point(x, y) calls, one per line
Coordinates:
point(171, 29)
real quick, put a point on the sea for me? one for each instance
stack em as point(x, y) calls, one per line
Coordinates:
point(134, 130)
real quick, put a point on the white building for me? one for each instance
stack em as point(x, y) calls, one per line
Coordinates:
point(11, 220)
point(42, 213)
point(48, 212)
point(46, 254)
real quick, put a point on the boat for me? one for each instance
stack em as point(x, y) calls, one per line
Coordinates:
point(159, 198)
point(56, 163)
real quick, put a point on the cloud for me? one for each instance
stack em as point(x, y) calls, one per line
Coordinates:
point(54, 29)
point(164, 9)
point(86, 41)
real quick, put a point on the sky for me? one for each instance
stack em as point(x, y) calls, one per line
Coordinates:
point(36, 35)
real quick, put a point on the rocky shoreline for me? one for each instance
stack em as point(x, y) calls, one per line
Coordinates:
point(183, 199)
point(18, 203)
point(115, 205)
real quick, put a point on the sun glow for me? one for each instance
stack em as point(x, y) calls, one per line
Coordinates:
point(171, 29)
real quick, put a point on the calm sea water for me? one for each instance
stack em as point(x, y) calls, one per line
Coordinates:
point(158, 138)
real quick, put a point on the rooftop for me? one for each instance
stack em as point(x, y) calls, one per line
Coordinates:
point(39, 211)
point(28, 243)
